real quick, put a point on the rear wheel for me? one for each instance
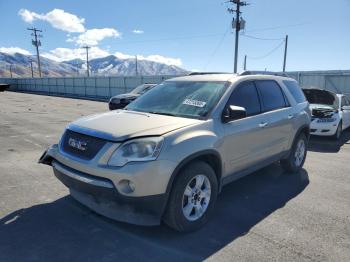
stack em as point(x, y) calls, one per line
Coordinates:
point(192, 198)
point(297, 156)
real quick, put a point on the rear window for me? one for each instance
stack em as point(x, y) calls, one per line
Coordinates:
point(295, 90)
point(271, 95)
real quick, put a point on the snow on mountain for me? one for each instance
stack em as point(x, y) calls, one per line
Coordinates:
point(19, 64)
point(111, 65)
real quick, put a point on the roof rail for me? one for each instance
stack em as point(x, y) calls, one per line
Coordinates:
point(206, 73)
point(246, 73)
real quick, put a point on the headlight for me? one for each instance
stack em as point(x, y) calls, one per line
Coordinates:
point(136, 150)
point(326, 120)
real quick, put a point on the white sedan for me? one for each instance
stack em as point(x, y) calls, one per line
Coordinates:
point(330, 112)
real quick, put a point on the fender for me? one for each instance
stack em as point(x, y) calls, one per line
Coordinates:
point(300, 129)
point(186, 161)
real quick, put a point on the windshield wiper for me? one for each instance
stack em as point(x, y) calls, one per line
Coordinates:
point(162, 113)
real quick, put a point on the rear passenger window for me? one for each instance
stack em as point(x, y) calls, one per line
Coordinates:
point(245, 95)
point(295, 90)
point(271, 95)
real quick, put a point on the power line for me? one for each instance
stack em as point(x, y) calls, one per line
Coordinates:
point(275, 27)
point(269, 53)
point(217, 48)
point(260, 38)
point(172, 38)
point(36, 43)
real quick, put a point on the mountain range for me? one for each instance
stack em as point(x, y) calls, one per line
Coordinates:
point(19, 65)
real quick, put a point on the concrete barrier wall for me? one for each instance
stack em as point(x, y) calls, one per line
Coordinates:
point(99, 88)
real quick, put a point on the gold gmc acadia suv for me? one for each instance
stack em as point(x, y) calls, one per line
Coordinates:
point(167, 155)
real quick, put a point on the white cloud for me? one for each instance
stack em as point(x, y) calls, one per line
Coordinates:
point(65, 54)
point(58, 18)
point(137, 31)
point(154, 58)
point(13, 50)
point(94, 36)
point(162, 59)
point(27, 15)
point(123, 56)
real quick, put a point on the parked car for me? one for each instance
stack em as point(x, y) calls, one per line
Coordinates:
point(330, 112)
point(121, 101)
point(170, 152)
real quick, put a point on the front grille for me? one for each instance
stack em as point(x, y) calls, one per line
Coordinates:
point(90, 145)
point(313, 130)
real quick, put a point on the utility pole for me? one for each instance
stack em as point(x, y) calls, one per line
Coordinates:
point(11, 71)
point(36, 43)
point(245, 63)
point(31, 68)
point(136, 72)
point(285, 53)
point(237, 23)
point(87, 59)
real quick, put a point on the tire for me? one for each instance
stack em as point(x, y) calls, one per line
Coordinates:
point(180, 200)
point(338, 133)
point(295, 161)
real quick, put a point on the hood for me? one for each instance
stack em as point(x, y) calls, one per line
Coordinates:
point(319, 96)
point(120, 125)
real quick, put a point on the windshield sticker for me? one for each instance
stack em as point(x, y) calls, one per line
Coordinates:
point(195, 103)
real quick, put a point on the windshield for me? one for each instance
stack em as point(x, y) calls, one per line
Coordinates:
point(186, 99)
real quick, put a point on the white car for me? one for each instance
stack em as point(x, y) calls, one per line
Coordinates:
point(330, 112)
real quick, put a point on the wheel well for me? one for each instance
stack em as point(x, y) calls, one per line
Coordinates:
point(306, 131)
point(212, 159)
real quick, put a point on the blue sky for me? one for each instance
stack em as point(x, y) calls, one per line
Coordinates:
point(188, 33)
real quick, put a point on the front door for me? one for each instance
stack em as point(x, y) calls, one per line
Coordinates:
point(247, 140)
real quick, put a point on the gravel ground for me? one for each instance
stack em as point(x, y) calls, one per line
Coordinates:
point(267, 216)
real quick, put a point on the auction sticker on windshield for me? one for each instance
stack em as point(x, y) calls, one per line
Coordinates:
point(195, 103)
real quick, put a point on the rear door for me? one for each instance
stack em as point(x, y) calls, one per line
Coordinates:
point(277, 109)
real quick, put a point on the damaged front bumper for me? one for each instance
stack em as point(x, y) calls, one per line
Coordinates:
point(102, 196)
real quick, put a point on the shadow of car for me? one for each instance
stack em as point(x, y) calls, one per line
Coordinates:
point(65, 230)
point(328, 145)
point(3, 87)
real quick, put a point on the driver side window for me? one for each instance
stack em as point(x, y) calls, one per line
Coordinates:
point(245, 95)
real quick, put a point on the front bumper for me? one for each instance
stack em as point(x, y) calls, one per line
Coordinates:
point(99, 188)
point(323, 129)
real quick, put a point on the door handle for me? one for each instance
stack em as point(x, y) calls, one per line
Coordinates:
point(290, 116)
point(263, 124)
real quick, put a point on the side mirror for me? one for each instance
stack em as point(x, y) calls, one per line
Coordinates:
point(233, 113)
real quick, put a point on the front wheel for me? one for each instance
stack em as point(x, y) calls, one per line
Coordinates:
point(297, 156)
point(337, 134)
point(192, 198)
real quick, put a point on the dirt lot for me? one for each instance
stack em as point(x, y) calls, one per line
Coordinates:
point(267, 216)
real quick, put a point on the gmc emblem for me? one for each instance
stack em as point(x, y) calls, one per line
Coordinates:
point(77, 144)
